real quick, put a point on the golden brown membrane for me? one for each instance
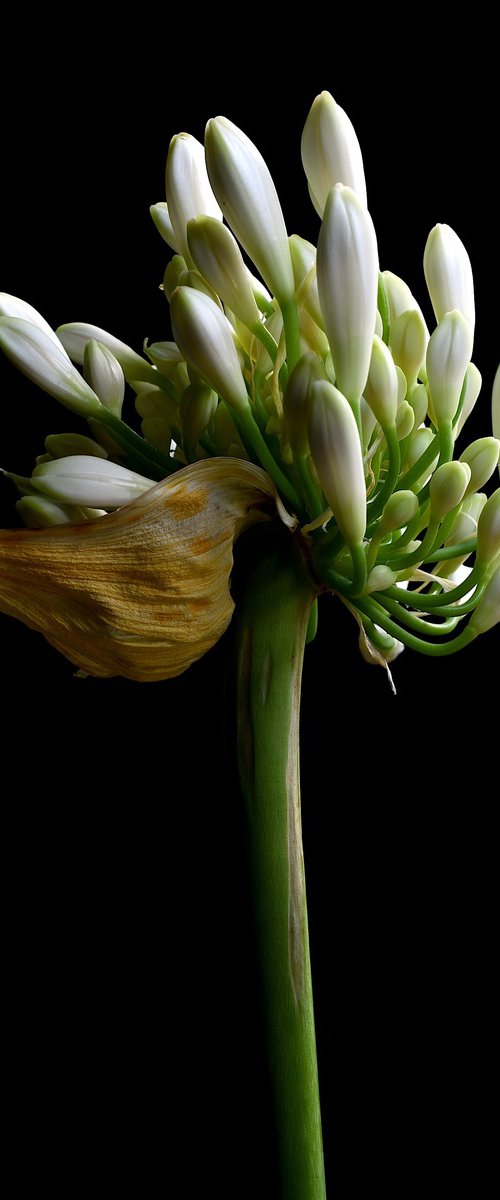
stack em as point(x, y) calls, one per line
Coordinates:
point(143, 592)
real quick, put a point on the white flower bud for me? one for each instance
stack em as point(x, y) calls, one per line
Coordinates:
point(217, 255)
point(495, 405)
point(38, 512)
point(472, 388)
point(381, 387)
point(245, 190)
point(398, 512)
point(380, 578)
point(482, 458)
point(161, 219)
point(347, 265)
point(296, 401)
point(488, 531)
point(90, 481)
point(409, 338)
point(417, 398)
point(447, 488)
point(47, 364)
point(331, 152)
point(487, 613)
point(76, 334)
point(405, 420)
point(448, 356)
point(197, 407)
point(189, 193)
point(399, 296)
point(61, 445)
point(12, 306)
point(448, 274)
point(204, 336)
point(172, 275)
point(304, 267)
point(337, 456)
point(104, 373)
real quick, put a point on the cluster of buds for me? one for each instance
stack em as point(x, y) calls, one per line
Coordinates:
point(321, 370)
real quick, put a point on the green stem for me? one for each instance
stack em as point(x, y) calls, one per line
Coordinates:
point(271, 624)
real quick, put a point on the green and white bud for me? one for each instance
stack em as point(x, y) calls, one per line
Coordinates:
point(38, 512)
point(400, 297)
point(205, 339)
point(62, 445)
point(331, 152)
point(104, 373)
point(245, 190)
point(161, 219)
point(472, 388)
point(448, 274)
point(173, 273)
point(380, 578)
point(47, 364)
point(418, 400)
point(166, 356)
point(217, 255)
point(307, 370)
point(482, 457)
point(398, 512)
point(76, 334)
point(447, 488)
point(381, 387)
point(189, 193)
point(198, 406)
point(405, 420)
point(12, 306)
point(156, 403)
point(409, 338)
point(448, 356)
point(304, 272)
point(419, 443)
point(338, 459)
point(347, 266)
point(487, 613)
point(488, 532)
point(495, 405)
point(90, 481)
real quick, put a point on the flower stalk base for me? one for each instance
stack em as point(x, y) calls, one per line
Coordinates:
point(271, 626)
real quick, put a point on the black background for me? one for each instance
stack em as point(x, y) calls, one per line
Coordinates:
point(133, 1043)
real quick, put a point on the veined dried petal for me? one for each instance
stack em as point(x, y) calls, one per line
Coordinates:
point(331, 152)
point(143, 592)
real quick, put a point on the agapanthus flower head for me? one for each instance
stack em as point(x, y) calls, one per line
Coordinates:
point(301, 385)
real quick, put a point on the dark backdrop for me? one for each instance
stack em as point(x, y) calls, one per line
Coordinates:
point(133, 1040)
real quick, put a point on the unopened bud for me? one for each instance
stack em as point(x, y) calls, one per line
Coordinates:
point(337, 456)
point(161, 219)
point(381, 388)
point(487, 613)
point(104, 373)
point(409, 338)
point(218, 256)
point(448, 274)
point(189, 193)
point(447, 488)
point(205, 339)
point(47, 365)
point(245, 190)
point(482, 457)
point(398, 512)
point(296, 401)
point(90, 481)
point(448, 356)
point(331, 152)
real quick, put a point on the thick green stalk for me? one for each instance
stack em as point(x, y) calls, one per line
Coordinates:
point(271, 625)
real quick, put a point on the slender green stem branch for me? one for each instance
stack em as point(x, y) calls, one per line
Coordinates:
point(270, 629)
